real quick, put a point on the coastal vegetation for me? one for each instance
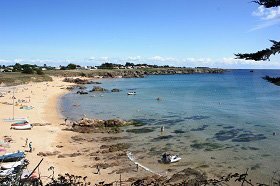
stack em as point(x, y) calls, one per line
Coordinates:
point(17, 78)
point(21, 74)
point(274, 80)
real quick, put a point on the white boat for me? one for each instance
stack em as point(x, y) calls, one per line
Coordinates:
point(131, 93)
point(22, 127)
point(10, 165)
point(167, 158)
point(174, 158)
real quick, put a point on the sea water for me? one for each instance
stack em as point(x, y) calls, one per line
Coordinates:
point(218, 123)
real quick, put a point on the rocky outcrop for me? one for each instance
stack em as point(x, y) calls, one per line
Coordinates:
point(98, 89)
point(115, 90)
point(80, 81)
point(187, 176)
point(86, 125)
point(82, 92)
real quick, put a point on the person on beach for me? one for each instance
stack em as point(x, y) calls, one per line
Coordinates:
point(30, 146)
point(98, 169)
point(26, 142)
point(65, 120)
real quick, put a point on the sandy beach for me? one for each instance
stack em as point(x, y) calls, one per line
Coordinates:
point(66, 151)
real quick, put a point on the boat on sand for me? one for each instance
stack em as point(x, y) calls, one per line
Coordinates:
point(20, 123)
point(21, 126)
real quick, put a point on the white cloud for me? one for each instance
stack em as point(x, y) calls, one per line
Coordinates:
point(268, 17)
point(267, 13)
point(103, 58)
point(162, 59)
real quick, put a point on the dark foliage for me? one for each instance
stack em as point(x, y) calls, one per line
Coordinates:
point(266, 53)
point(17, 68)
point(27, 70)
point(109, 66)
point(71, 66)
point(263, 54)
point(39, 72)
point(129, 64)
point(274, 80)
point(268, 3)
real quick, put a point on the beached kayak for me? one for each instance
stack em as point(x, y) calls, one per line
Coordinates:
point(12, 157)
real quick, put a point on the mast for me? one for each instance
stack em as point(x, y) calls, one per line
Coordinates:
point(13, 104)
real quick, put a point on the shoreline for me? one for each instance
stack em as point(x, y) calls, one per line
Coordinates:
point(51, 141)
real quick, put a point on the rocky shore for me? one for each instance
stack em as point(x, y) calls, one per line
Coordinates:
point(133, 73)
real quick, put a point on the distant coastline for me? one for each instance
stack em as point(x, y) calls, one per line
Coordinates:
point(17, 78)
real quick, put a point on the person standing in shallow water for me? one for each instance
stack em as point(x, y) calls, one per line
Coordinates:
point(162, 129)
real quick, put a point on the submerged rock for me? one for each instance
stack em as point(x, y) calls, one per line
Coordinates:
point(179, 131)
point(116, 147)
point(207, 146)
point(141, 130)
point(162, 138)
point(198, 117)
point(248, 137)
point(235, 136)
point(224, 135)
point(200, 128)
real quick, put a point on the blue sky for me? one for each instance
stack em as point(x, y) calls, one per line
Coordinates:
point(174, 32)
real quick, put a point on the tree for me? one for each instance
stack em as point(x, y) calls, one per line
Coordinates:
point(129, 64)
point(17, 67)
point(265, 54)
point(71, 66)
point(106, 66)
point(27, 70)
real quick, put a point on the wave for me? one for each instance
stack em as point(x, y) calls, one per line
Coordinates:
point(132, 158)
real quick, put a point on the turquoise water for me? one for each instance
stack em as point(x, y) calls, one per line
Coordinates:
point(219, 123)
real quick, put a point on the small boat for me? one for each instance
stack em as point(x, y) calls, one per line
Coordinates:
point(20, 123)
point(167, 158)
point(131, 93)
point(12, 157)
point(10, 165)
point(26, 126)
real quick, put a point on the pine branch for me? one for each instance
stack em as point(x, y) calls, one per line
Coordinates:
point(261, 55)
point(268, 3)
